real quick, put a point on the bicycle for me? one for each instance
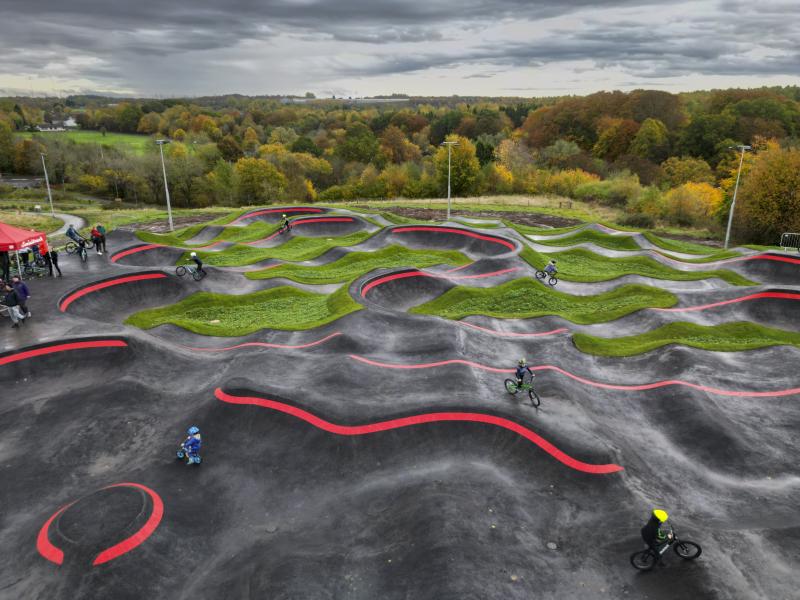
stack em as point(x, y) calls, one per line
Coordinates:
point(541, 275)
point(527, 386)
point(74, 247)
point(645, 560)
point(196, 273)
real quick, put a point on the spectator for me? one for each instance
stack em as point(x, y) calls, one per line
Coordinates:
point(5, 264)
point(44, 252)
point(102, 231)
point(96, 240)
point(11, 304)
point(53, 256)
point(22, 293)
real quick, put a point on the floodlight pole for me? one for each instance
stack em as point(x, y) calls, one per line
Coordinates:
point(166, 186)
point(449, 148)
point(47, 181)
point(735, 191)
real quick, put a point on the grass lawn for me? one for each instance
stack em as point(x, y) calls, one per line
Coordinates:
point(582, 265)
point(284, 308)
point(728, 337)
point(356, 264)
point(136, 144)
point(526, 298)
point(39, 222)
point(605, 240)
point(678, 245)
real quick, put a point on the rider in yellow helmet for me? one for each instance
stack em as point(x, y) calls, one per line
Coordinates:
point(655, 533)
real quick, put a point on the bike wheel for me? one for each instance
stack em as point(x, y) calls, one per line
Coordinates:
point(197, 275)
point(535, 401)
point(511, 387)
point(644, 560)
point(71, 247)
point(553, 281)
point(540, 274)
point(180, 271)
point(687, 550)
point(84, 255)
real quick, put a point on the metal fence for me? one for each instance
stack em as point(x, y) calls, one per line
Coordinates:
point(790, 240)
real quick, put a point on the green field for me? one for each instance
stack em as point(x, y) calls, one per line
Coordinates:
point(136, 144)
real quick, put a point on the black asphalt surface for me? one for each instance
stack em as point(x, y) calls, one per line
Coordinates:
point(284, 509)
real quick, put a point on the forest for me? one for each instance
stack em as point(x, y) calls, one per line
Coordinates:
point(662, 157)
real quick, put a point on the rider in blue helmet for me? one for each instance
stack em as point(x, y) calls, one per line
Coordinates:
point(191, 446)
point(522, 368)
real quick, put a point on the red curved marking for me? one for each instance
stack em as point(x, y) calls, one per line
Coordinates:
point(267, 345)
point(781, 295)
point(471, 234)
point(134, 250)
point(69, 299)
point(207, 246)
point(787, 259)
point(276, 210)
point(140, 536)
point(454, 269)
point(407, 274)
point(419, 420)
point(597, 384)
point(26, 354)
point(303, 222)
point(511, 333)
point(43, 543)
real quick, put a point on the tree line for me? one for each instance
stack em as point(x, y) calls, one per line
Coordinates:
point(663, 157)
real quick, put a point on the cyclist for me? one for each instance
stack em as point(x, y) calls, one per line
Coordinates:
point(522, 368)
point(653, 534)
point(285, 224)
point(550, 269)
point(191, 446)
point(73, 234)
point(198, 262)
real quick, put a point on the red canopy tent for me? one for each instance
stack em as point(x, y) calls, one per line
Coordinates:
point(14, 239)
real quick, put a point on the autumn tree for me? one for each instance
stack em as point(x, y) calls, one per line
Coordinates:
point(651, 141)
point(359, 144)
point(396, 147)
point(677, 171)
point(464, 166)
point(692, 203)
point(615, 136)
point(259, 182)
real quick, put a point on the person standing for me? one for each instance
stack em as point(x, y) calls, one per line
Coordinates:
point(5, 264)
point(22, 294)
point(102, 231)
point(53, 256)
point(96, 239)
point(44, 252)
point(11, 301)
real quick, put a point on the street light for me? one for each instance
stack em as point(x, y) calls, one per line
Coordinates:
point(47, 181)
point(735, 190)
point(166, 187)
point(449, 149)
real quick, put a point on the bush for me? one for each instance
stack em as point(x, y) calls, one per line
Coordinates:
point(616, 191)
point(640, 220)
point(565, 183)
point(692, 203)
point(338, 192)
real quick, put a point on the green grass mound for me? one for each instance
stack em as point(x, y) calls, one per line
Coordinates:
point(604, 240)
point(681, 246)
point(526, 298)
point(582, 265)
point(728, 337)
point(356, 264)
point(285, 308)
point(529, 230)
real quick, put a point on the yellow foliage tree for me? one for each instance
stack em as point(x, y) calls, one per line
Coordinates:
point(692, 203)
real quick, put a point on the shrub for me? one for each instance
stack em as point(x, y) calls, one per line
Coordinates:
point(692, 203)
point(565, 183)
point(616, 191)
point(640, 220)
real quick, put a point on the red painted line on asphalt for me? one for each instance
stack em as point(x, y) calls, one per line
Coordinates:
point(49, 551)
point(780, 295)
point(134, 250)
point(70, 298)
point(597, 384)
point(407, 274)
point(787, 259)
point(207, 246)
point(43, 543)
point(276, 210)
point(463, 232)
point(298, 222)
point(267, 345)
point(26, 354)
point(420, 419)
point(140, 536)
point(511, 333)
point(469, 264)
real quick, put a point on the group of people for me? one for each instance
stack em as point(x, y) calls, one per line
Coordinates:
point(15, 296)
point(97, 236)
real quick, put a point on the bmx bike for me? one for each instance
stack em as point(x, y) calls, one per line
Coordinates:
point(645, 560)
point(551, 277)
point(74, 247)
point(527, 386)
point(196, 273)
point(182, 454)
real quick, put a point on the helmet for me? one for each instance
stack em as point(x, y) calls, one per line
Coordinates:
point(552, 262)
point(284, 216)
point(661, 515)
point(193, 254)
point(521, 361)
point(192, 430)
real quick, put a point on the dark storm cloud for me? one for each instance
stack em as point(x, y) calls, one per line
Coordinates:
point(128, 39)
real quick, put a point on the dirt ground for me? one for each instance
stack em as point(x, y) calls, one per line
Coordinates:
point(161, 226)
point(524, 218)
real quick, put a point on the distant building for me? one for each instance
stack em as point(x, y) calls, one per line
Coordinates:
point(69, 123)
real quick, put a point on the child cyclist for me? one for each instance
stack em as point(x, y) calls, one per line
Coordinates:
point(550, 269)
point(522, 368)
point(190, 448)
point(198, 262)
point(285, 224)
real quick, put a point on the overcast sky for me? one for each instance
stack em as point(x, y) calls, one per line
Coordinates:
point(369, 47)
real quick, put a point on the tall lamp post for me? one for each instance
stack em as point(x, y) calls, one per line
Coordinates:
point(166, 187)
point(449, 149)
point(47, 181)
point(735, 190)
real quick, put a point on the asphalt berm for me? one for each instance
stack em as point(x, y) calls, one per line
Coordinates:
point(379, 456)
